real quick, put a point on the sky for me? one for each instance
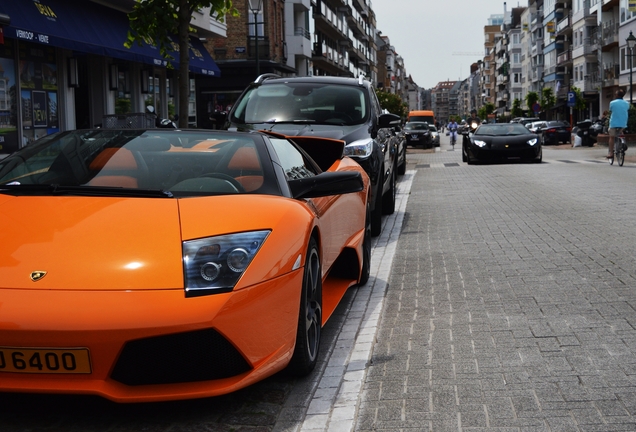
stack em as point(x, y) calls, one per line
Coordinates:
point(430, 34)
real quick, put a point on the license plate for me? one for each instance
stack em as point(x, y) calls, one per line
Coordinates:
point(45, 360)
point(415, 138)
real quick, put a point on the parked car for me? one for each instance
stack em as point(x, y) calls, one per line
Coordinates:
point(400, 146)
point(524, 120)
point(434, 135)
point(537, 128)
point(502, 141)
point(557, 131)
point(333, 107)
point(165, 264)
point(418, 134)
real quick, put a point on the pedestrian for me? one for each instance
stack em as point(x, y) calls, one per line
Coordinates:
point(619, 109)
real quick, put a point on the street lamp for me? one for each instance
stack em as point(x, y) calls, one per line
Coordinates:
point(255, 7)
point(631, 41)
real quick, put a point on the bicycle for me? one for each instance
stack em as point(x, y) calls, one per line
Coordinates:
point(620, 147)
point(453, 138)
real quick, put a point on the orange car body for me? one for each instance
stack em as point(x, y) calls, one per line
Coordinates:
point(82, 276)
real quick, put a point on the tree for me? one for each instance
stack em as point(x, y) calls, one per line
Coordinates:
point(485, 110)
point(392, 103)
point(154, 21)
point(548, 100)
point(516, 108)
point(531, 99)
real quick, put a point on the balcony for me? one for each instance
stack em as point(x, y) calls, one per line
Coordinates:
point(611, 73)
point(565, 25)
point(609, 36)
point(564, 58)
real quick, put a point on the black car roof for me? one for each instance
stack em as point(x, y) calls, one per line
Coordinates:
point(316, 79)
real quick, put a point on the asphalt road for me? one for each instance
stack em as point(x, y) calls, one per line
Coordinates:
point(509, 305)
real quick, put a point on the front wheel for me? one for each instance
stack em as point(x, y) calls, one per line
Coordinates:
point(309, 327)
point(620, 157)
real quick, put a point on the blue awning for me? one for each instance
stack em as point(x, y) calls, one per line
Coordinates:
point(91, 28)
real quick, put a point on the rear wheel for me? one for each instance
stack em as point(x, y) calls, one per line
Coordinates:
point(309, 328)
point(366, 251)
point(388, 200)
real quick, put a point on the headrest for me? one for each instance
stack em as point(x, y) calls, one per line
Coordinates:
point(245, 159)
point(114, 159)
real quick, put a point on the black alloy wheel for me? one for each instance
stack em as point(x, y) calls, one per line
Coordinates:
point(388, 200)
point(309, 328)
point(366, 250)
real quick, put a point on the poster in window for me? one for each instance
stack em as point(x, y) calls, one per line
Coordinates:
point(8, 100)
point(39, 107)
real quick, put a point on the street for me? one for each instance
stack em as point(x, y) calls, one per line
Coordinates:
point(502, 297)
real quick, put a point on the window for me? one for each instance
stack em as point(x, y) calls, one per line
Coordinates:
point(292, 161)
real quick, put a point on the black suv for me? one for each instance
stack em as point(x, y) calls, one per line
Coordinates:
point(333, 107)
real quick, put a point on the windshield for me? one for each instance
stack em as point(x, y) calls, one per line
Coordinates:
point(502, 129)
point(303, 103)
point(417, 126)
point(103, 162)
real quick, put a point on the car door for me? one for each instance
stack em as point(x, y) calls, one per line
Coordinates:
point(385, 142)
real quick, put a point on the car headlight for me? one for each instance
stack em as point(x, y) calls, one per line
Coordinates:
point(361, 148)
point(533, 141)
point(215, 264)
point(479, 143)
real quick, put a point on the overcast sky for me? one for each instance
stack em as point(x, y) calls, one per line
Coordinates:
point(426, 33)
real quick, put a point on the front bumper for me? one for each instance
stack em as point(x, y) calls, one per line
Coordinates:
point(483, 153)
point(148, 346)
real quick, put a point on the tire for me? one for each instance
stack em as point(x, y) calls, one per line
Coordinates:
point(402, 167)
point(540, 158)
point(366, 251)
point(388, 199)
point(620, 157)
point(309, 327)
point(376, 214)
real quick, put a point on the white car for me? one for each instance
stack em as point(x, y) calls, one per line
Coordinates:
point(434, 135)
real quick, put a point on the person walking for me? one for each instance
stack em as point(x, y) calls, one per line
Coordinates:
point(619, 111)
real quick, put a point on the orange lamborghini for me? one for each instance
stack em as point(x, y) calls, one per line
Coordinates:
point(149, 265)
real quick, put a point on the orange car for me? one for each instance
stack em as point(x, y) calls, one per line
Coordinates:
point(139, 273)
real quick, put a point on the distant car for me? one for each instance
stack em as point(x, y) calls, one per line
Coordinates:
point(161, 264)
point(502, 141)
point(418, 134)
point(524, 120)
point(434, 135)
point(557, 131)
point(400, 148)
point(537, 128)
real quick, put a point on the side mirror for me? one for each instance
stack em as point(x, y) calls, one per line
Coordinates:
point(389, 120)
point(326, 184)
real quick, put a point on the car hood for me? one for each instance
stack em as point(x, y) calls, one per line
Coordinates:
point(96, 243)
point(348, 134)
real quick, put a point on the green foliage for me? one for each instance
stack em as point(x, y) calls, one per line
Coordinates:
point(486, 109)
point(548, 100)
point(122, 106)
point(631, 120)
point(531, 99)
point(155, 21)
point(392, 103)
point(516, 110)
point(580, 103)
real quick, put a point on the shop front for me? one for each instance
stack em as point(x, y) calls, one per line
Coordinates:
point(63, 65)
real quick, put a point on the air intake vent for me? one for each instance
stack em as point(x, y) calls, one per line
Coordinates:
point(182, 357)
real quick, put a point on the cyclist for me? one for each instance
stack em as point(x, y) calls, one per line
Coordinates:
point(452, 131)
point(619, 109)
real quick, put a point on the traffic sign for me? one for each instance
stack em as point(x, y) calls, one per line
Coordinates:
point(536, 107)
point(571, 99)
